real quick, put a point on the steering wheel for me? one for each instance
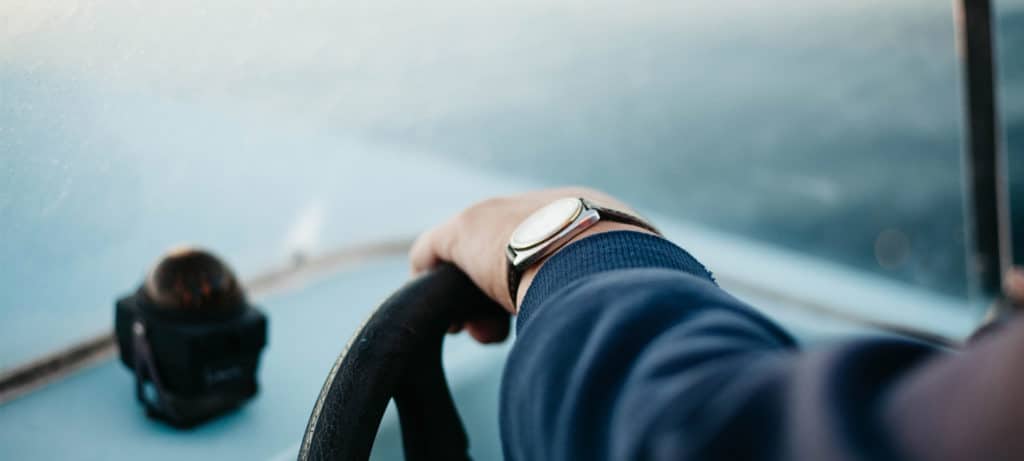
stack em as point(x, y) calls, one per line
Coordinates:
point(397, 354)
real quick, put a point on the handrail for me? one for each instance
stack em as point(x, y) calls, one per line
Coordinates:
point(54, 366)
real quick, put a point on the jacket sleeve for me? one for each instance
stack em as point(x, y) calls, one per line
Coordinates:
point(627, 349)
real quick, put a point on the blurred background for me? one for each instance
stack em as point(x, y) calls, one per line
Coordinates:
point(819, 134)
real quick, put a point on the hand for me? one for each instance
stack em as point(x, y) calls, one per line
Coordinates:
point(1013, 285)
point(475, 241)
point(1013, 289)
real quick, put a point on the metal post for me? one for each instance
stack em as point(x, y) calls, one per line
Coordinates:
point(986, 206)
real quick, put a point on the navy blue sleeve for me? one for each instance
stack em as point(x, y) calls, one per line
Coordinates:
point(627, 349)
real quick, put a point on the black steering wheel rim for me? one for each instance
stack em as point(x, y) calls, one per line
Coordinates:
point(396, 354)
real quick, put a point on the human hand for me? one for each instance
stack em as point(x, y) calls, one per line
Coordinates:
point(475, 240)
point(1013, 290)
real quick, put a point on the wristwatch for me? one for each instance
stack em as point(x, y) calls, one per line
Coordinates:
point(551, 227)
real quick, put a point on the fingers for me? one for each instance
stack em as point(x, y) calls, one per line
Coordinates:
point(456, 327)
point(421, 255)
point(1013, 285)
point(430, 248)
point(489, 329)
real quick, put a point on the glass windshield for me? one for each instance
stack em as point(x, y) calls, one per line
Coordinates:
point(829, 129)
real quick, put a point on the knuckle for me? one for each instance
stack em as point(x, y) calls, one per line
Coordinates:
point(482, 208)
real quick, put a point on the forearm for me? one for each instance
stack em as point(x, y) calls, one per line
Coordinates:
point(626, 349)
point(609, 339)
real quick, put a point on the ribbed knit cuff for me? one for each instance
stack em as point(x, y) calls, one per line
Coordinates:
point(607, 251)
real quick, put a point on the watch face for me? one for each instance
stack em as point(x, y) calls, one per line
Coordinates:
point(545, 223)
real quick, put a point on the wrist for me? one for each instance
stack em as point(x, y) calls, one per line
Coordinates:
point(599, 228)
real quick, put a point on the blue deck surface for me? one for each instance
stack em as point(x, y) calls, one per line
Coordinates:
point(94, 416)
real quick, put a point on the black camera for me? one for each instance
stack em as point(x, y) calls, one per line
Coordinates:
point(191, 338)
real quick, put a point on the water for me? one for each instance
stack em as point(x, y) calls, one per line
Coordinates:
point(828, 127)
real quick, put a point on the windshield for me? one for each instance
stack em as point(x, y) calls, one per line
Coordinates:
point(266, 130)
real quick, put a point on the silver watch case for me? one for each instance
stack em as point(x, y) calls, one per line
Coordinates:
point(521, 259)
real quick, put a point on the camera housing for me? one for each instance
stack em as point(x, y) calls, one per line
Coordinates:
point(192, 361)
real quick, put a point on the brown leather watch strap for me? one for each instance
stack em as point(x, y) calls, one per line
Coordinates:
point(607, 214)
